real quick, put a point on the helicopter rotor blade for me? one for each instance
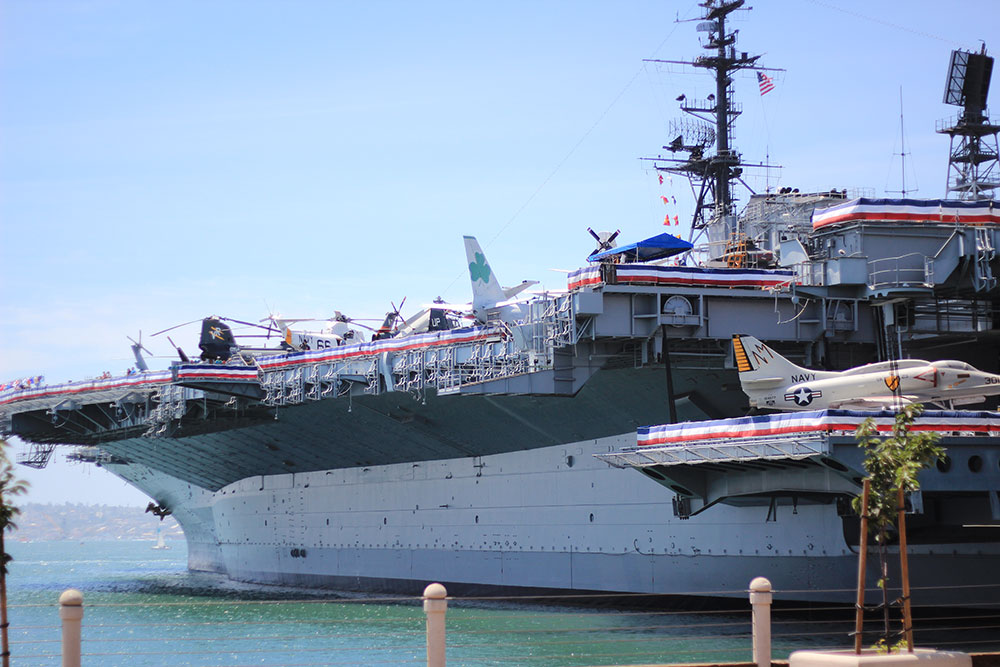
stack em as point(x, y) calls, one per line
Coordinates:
point(249, 324)
point(176, 326)
point(138, 344)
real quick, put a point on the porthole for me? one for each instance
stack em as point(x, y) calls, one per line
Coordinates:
point(975, 463)
point(943, 464)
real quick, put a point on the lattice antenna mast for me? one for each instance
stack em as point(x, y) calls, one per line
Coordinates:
point(902, 152)
point(972, 163)
point(712, 176)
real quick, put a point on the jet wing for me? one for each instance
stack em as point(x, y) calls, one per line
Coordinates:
point(890, 366)
point(511, 292)
point(966, 400)
point(763, 383)
point(874, 402)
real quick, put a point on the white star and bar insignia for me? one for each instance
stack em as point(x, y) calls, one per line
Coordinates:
point(803, 396)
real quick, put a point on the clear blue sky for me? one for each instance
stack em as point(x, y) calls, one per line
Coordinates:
point(160, 162)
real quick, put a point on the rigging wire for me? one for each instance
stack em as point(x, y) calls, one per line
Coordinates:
point(889, 24)
point(568, 155)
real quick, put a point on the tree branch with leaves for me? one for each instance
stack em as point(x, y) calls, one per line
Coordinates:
point(10, 487)
point(893, 462)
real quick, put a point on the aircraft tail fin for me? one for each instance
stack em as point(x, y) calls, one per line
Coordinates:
point(486, 290)
point(217, 339)
point(761, 368)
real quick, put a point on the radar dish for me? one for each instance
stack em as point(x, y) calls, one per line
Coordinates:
point(968, 83)
point(693, 133)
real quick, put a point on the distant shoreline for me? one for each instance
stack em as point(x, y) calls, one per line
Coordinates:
point(74, 522)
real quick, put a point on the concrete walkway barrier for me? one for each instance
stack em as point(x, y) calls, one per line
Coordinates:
point(435, 606)
point(71, 613)
point(760, 602)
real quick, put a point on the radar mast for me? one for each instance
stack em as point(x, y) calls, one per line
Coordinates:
point(712, 176)
point(972, 161)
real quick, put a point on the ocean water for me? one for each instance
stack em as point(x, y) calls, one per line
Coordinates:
point(142, 607)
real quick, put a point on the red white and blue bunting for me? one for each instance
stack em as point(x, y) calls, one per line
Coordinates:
point(654, 274)
point(690, 275)
point(588, 276)
point(135, 380)
point(210, 372)
point(908, 210)
point(839, 422)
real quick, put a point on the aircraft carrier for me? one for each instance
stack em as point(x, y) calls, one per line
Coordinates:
point(470, 455)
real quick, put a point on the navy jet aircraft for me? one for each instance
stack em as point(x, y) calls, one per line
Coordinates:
point(490, 301)
point(488, 298)
point(771, 381)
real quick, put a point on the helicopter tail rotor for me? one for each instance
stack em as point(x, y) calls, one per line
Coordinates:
point(137, 349)
point(180, 352)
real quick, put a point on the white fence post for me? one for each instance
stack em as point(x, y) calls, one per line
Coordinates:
point(760, 600)
point(71, 613)
point(435, 606)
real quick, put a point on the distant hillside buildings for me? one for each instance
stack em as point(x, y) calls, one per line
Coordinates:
point(74, 521)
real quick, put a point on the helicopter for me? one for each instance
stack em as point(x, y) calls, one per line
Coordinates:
point(340, 330)
point(490, 301)
point(217, 341)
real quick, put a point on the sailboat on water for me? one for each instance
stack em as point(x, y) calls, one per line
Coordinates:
point(160, 544)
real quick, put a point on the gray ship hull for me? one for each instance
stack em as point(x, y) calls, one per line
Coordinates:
point(552, 519)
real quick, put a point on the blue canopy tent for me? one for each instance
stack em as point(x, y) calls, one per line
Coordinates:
point(656, 247)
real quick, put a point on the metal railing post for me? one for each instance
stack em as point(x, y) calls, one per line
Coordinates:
point(71, 613)
point(435, 606)
point(760, 601)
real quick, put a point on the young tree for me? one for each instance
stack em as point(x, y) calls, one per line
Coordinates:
point(10, 487)
point(892, 462)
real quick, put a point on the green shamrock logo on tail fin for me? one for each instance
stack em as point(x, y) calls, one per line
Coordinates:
point(479, 269)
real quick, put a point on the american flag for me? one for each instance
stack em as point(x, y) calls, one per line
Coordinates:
point(765, 83)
